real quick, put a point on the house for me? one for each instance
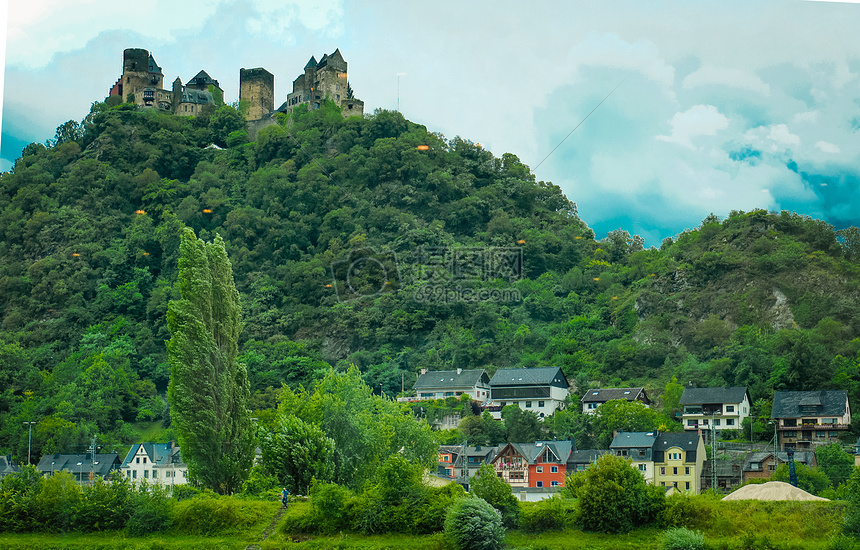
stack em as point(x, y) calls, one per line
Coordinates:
point(729, 475)
point(593, 398)
point(156, 463)
point(761, 465)
point(7, 467)
point(806, 419)
point(538, 465)
point(715, 408)
point(439, 384)
point(539, 390)
point(81, 466)
point(638, 447)
point(679, 461)
point(579, 461)
point(461, 462)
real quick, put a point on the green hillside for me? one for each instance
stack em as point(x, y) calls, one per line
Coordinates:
point(89, 235)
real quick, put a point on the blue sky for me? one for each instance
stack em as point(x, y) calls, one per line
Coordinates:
point(719, 106)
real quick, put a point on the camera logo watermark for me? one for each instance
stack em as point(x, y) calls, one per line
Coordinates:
point(365, 273)
point(442, 274)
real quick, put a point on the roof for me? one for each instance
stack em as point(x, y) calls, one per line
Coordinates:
point(79, 464)
point(153, 66)
point(532, 451)
point(634, 439)
point(686, 441)
point(201, 97)
point(202, 78)
point(452, 379)
point(529, 377)
point(696, 396)
point(602, 395)
point(159, 454)
point(312, 63)
point(587, 456)
point(804, 457)
point(786, 404)
point(7, 467)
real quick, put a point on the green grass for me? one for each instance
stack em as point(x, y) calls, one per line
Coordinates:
point(118, 541)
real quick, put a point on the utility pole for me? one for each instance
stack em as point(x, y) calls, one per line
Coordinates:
point(398, 90)
point(92, 450)
point(29, 439)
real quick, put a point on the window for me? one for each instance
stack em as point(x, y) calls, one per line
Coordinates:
point(446, 458)
point(729, 409)
point(447, 393)
point(730, 421)
point(662, 483)
point(540, 404)
point(503, 403)
point(687, 485)
point(592, 406)
point(146, 474)
point(137, 460)
point(134, 474)
point(553, 469)
point(642, 467)
point(755, 465)
point(517, 475)
point(154, 474)
point(128, 473)
point(540, 469)
point(771, 467)
point(528, 404)
point(686, 471)
point(788, 433)
point(704, 421)
point(716, 422)
point(554, 483)
point(675, 484)
point(539, 484)
point(691, 422)
point(834, 434)
point(662, 470)
point(675, 471)
point(819, 434)
point(144, 460)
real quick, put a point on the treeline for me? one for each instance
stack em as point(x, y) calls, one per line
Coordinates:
point(89, 233)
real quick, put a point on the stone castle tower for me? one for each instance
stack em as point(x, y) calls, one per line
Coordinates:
point(257, 92)
point(321, 80)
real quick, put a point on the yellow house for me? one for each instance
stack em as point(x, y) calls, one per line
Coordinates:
point(678, 461)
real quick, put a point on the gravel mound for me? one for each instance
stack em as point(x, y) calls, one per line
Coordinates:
point(772, 490)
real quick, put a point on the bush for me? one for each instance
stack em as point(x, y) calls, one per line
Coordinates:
point(208, 514)
point(472, 524)
point(487, 485)
point(692, 512)
point(106, 505)
point(681, 538)
point(330, 506)
point(612, 497)
point(552, 514)
point(185, 492)
point(152, 513)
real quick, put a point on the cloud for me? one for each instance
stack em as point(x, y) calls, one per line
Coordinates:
point(721, 76)
point(698, 120)
point(774, 138)
point(825, 147)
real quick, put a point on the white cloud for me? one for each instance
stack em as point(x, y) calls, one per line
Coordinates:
point(826, 147)
point(775, 138)
point(736, 78)
point(698, 120)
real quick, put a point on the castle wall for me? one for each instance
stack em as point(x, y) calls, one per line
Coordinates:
point(257, 91)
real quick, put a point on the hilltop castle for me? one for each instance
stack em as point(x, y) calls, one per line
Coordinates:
point(142, 82)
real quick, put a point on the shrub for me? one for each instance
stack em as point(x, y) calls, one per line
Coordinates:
point(474, 525)
point(852, 495)
point(686, 511)
point(552, 514)
point(487, 485)
point(209, 513)
point(612, 497)
point(152, 512)
point(681, 538)
point(330, 506)
point(106, 505)
point(184, 492)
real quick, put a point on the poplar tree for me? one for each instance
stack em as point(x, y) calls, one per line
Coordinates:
point(209, 390)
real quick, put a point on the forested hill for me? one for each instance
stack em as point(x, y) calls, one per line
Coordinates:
point(423, 235)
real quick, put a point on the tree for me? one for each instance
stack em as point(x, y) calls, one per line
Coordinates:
point(623, 415)
point(810, 479)
point(835, 463)
point(612, 496)
point(521, 426)
point(487, 485)
point(672, 397)
point(298, 452)
point(208, 388)
point(482, 430)
point(472, 524)
point(852, 495)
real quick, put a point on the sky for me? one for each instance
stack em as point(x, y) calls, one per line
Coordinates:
point(707, 106)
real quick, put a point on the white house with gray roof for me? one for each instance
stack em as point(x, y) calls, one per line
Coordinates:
point(638, 447)
point(540, 390)
point(807, 419)
point(593, 398)
point(439, 384)
point(156, 463)
point(715, 408)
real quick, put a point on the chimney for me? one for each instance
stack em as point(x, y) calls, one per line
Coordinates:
point(459, 371)
point(423, 371)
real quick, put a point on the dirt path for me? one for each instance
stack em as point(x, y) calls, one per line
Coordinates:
point(268, 531)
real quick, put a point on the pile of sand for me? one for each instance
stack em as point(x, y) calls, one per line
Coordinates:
point(772, 490)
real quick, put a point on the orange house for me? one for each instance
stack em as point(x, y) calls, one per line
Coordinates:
point(540, 464)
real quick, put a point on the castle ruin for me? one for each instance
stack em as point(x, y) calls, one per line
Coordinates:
point(142, 82)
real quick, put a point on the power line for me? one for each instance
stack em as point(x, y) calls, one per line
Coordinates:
point(578, 125)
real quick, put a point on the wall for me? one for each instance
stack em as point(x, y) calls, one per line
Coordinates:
point(257, 91)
